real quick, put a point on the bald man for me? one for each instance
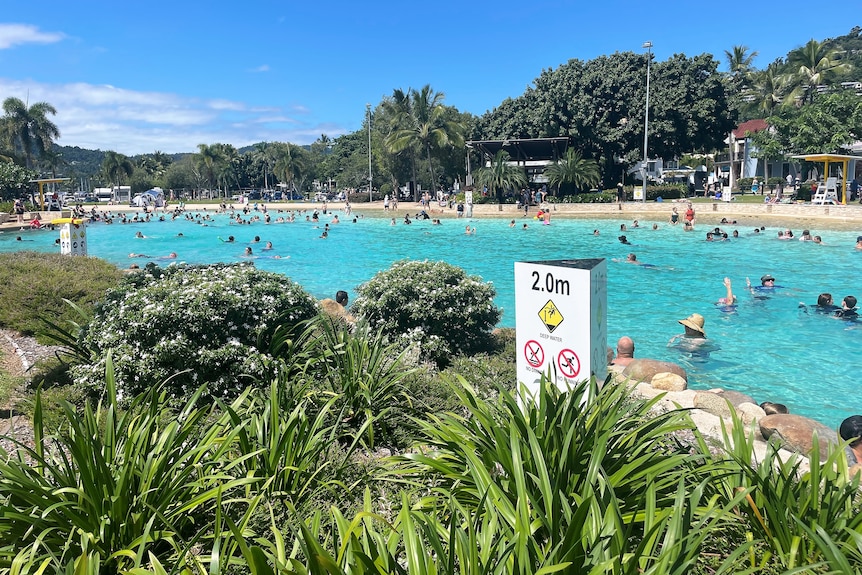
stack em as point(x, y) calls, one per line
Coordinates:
point(625, 351)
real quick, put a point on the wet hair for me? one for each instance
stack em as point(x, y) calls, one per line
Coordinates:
point(773, 408)
point(824, 299)
point(851, 428)
point(850, 301)
point(341, 297)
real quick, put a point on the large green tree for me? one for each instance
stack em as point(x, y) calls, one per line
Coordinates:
point(600, 105)
point(28, 130)
point(827, 125)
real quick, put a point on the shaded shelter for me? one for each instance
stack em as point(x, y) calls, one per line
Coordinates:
point(41, 183)
point(826, 159)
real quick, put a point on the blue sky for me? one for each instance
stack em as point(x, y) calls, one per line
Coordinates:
point(138, 77)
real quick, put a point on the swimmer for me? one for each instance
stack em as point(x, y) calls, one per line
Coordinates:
point(623, 228)
point(324, 235)
point(140, 235)
point(525, 227)
point(848, 309)
point(859, 242)
point(248, 251)
point(624, 240)
point(179, 235)
point(729, 299)
point(636, 224)
point(268, 246)
point(595, 232)
point(655, 226)
point(469, 231)
point(134, 255)
point(256, 240)
point(512, 224)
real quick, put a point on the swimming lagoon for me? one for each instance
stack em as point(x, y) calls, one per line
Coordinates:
point(769, 348)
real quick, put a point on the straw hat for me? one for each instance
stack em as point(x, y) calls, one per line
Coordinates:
point(695, 322)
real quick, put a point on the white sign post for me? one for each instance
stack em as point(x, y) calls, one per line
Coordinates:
point(560, 317)
point(73, 236)
point(468, 199)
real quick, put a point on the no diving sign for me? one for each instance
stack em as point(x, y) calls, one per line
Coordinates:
point(569, 364)
point(534, 354)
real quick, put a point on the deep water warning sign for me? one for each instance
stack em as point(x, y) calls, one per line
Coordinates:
point(560, 320)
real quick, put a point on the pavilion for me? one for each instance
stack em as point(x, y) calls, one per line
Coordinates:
point(827, 159)
point(41, 183)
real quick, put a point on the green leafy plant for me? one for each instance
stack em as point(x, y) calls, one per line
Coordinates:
point(434, 305)
point(583, 477)
point(189, 325)
point(112, 486)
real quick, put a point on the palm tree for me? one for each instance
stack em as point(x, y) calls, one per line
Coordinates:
point(769, 89)
point(740, 61)
point(426, 128)
point(29, 129)
point(117, 167)
point(399, 111)
point(288, 165)
point(573, 169)
point(816, 64)
point(501, 175)
point(209, 160)
point(263, 154)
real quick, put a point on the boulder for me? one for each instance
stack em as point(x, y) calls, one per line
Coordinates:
point(749, 412)
point(668, 381)
point(713, 402)
point(796, 433)
point(735, 397)
point(645, 369)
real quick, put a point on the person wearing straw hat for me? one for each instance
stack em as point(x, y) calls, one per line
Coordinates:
point(693, 342)
point(693, 325)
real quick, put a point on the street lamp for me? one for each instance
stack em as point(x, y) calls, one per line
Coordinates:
point(648, 46)
point(368, 110)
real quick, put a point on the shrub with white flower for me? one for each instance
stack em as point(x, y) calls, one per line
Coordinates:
point(434, 304)
point(207, 320)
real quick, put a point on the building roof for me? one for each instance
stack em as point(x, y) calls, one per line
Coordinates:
point(750, 126)
point(524, 149)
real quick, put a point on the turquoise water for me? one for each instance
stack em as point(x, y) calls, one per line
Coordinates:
point(768, 348)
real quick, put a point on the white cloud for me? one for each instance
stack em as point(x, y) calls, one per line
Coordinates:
point(16, 34)
point(133, 122)
point(261, 68)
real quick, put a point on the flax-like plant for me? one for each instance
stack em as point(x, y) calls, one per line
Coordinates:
point(114, 486)
point(803, 518)
point(284, 443)
point(365, 372)
point(584, 477)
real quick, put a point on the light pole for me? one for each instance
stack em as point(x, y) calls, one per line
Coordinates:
point(368, 110)
point(648, 46)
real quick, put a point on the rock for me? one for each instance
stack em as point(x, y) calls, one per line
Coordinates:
point(645, 369)
point(796, 433)
point(735, 398)
point(668, 381)
point(749, 412)
point(714, 403)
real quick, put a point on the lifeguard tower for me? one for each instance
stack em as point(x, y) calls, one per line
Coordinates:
point(41, 183)
point(831, 190)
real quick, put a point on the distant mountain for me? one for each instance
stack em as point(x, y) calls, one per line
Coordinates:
point(78, 162)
